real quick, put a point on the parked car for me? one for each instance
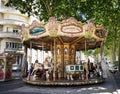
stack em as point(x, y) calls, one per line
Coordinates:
point(113, 67)
point(16, 67)
point(115, 63)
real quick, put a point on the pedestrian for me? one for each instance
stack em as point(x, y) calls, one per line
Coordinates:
point(30, 71)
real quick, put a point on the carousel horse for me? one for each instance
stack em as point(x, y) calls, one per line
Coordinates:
point(48, 67)
point(38, 70)
point(69, 73)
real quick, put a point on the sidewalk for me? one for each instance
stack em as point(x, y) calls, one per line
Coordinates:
point(117, 78)
point(116, 75)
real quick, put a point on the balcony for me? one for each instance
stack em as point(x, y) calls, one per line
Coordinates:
point(10, 35)
point(12, 22)
point(7, 9)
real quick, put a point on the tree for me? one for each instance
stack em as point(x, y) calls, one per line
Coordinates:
point(106, 12)
point(44, 9)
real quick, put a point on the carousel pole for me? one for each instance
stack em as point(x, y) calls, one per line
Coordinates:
point(54, 76)
point(102, 51)
point(86, 62)
point(42, 52)
point(24, 63)
point(37, 54)
point(79, 55)
point(30, 60)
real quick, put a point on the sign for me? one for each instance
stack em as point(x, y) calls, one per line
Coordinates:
point(74, 68)
point(71, 29)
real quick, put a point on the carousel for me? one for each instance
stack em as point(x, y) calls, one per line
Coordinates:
point(63, 39)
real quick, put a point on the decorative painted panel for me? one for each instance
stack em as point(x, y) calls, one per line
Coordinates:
point(36, 31)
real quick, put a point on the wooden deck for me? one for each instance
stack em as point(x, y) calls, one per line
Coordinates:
point(65, 82)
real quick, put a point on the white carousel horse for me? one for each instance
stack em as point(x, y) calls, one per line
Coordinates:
point(48, 66)
point(69, 73)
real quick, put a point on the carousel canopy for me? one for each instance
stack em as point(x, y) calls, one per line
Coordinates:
point(68, 31)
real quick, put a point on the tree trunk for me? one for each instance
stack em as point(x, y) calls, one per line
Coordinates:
point(119, 52)
point(102, 51)
point(114, 45)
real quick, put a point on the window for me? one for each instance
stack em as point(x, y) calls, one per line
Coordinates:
point(1, 28)
point(20, 45)
point(0, 44)
point(13, 45)
point(15, 30)
point(10, 45)
point(8, 29)
point(16, 45)
point(7, 45)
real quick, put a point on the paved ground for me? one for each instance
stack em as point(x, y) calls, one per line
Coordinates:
point(117, 78)
point(16, 86)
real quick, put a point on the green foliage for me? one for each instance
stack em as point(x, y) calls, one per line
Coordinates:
point(106, 12)
point(97, 51)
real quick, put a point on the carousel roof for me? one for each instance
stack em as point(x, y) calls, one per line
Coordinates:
point(68, 31)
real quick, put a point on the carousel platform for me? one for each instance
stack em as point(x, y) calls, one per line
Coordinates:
point(64, 82)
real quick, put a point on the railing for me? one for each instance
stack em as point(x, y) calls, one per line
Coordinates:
point(10, 35)
point(11, 21)
point(4, 8)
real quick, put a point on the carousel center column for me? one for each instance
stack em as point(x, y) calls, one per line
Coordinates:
point(69, 59)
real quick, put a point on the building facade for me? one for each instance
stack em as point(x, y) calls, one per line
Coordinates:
point(11, 21)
